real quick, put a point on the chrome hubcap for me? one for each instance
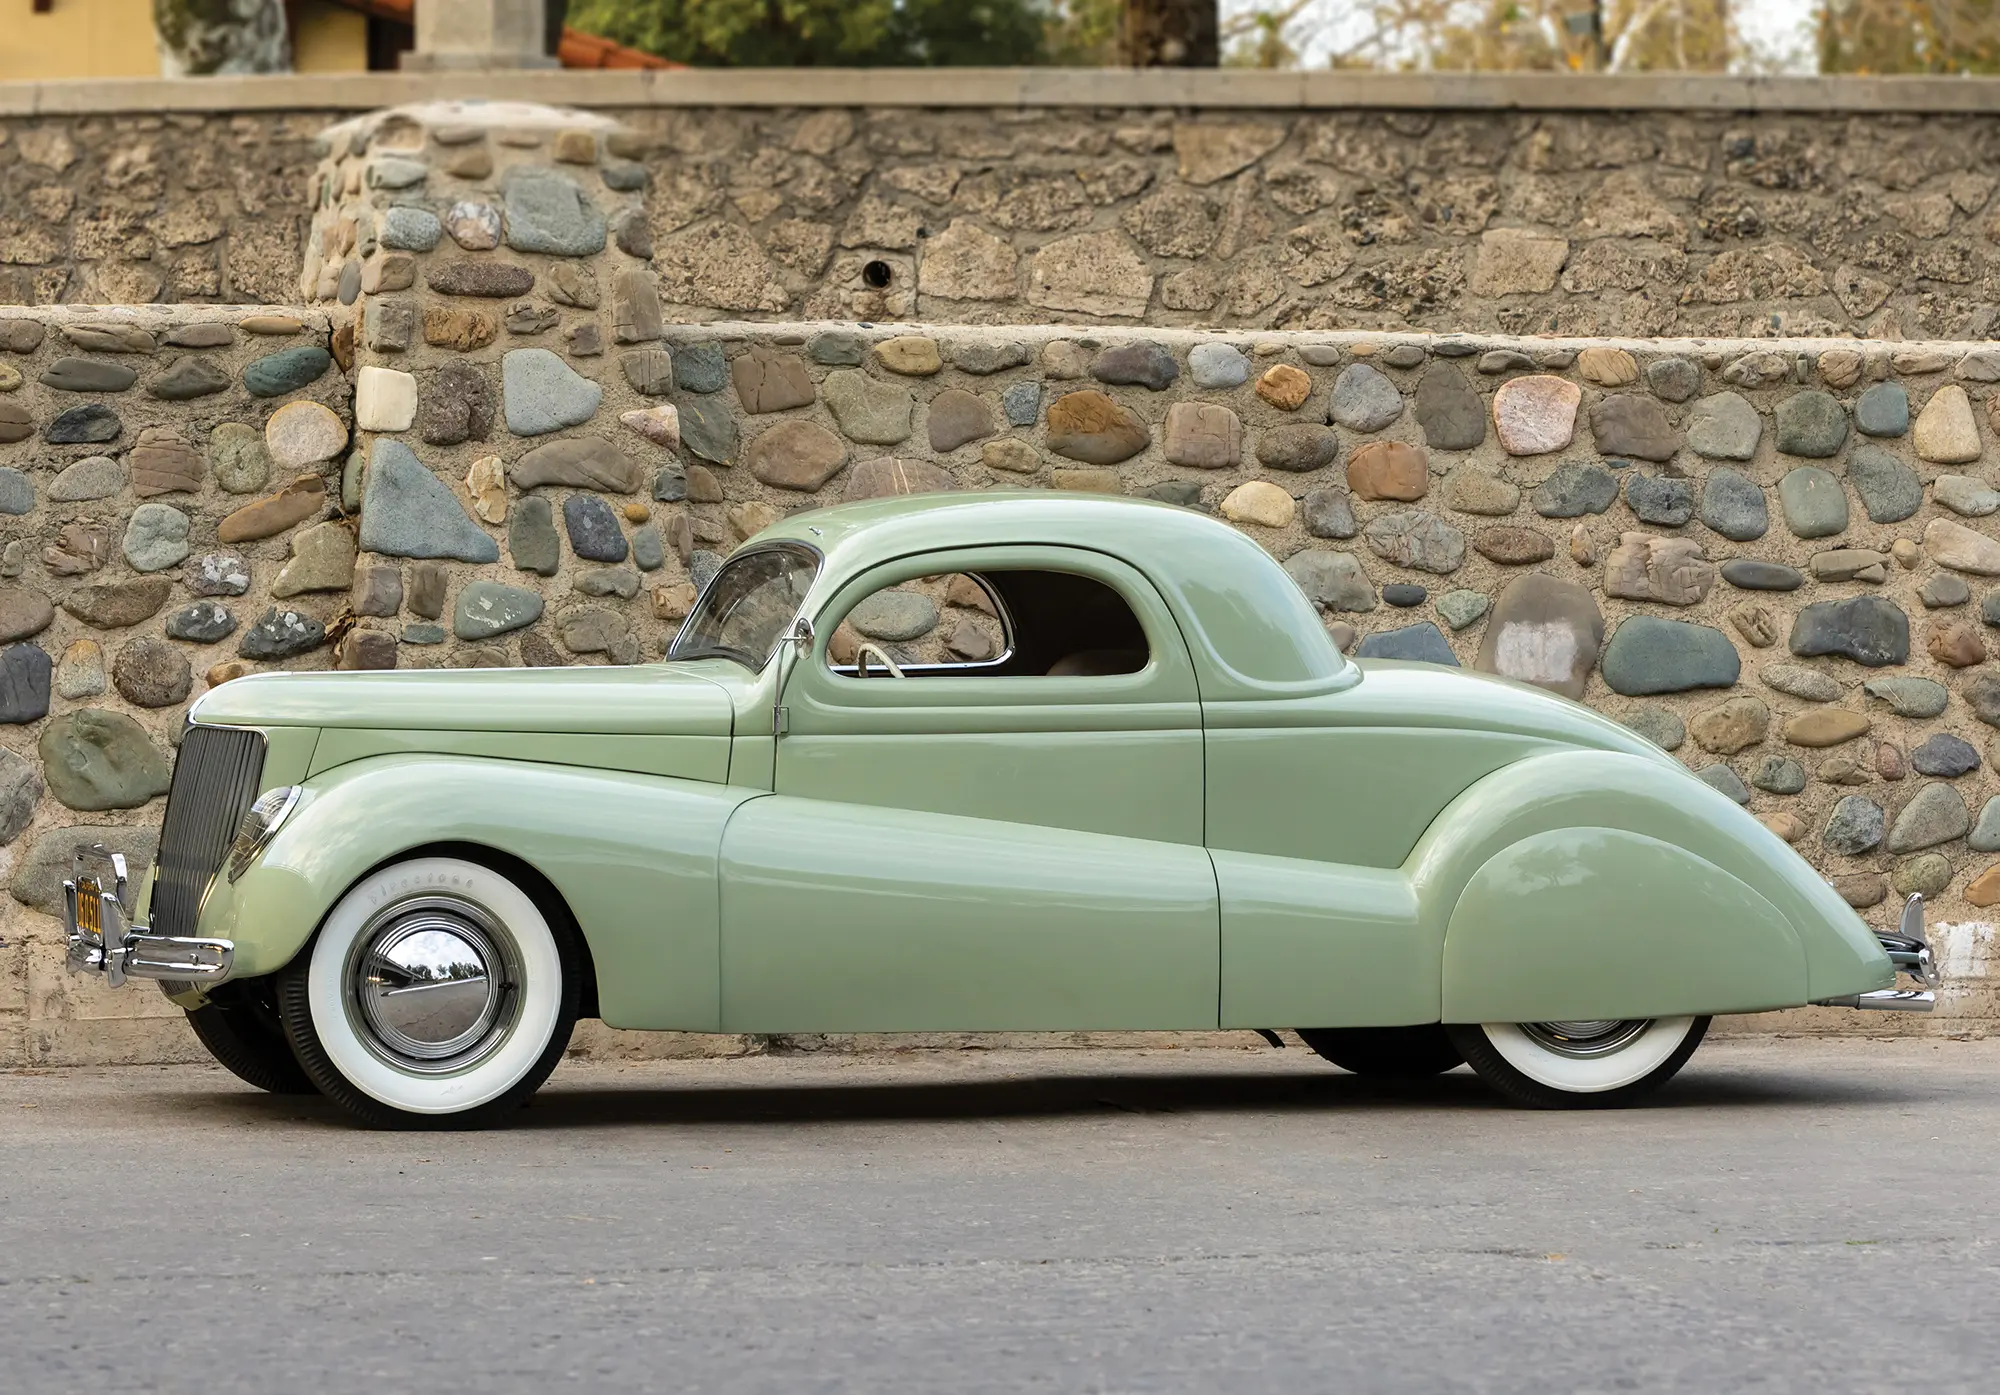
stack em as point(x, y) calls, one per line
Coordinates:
point(432, 984)
point(1596, 1037)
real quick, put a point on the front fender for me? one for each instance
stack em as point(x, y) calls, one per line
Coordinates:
point(1587, 884)
point(634, 856)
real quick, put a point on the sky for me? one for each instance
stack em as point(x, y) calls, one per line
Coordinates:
point(1779, 29)
point(1774, 29)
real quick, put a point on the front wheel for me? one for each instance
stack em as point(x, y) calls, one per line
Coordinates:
point(1598, 1064)
point(245, 1038)
point(437, 994)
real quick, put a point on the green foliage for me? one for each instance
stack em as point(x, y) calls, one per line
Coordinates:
point(824, 33)
point(1082, 33)
point(1909, 36)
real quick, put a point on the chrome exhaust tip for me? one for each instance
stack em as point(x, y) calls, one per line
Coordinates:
point(1886, 1000)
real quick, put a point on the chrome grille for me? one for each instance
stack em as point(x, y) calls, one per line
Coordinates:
point(215, 778)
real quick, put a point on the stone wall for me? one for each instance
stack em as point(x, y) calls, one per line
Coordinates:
point(1771, 556)
point(1773, 559)
point(169, 516)
point(184, 208)
point(1641, 223)
point(1607, 223)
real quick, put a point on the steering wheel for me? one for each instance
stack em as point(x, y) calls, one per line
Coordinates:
point(862, 653)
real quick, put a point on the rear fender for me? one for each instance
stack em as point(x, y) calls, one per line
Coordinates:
point(633, 856)
point(1585, 884)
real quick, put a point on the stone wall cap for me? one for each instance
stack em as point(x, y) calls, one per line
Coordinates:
point(168, 316)
point(1222, 88)
point(316, 322)
point(484, 115)
point(1111, 335)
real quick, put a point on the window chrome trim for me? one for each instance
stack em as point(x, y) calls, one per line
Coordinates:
point(806, 549)
point(969, 668)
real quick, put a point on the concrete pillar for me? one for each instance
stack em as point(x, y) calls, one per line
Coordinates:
point(480, 34)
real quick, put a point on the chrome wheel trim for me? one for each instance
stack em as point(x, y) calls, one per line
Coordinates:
point(433, 983)
point(512, 1056)
point(1526, 1047)
point(1586, 1039)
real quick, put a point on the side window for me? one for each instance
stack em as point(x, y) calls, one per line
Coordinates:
point(998, 624)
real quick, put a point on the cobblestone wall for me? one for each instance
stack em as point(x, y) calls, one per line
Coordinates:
point(1611, 223)
point(1773, 558)
point(169, 516)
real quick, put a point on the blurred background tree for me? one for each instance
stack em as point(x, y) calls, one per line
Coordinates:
point(1618, 36)
point(1487, 35)
point(1909, 36)
point(906, 33)
point(1169, 34)
point(823, 33)
point(1615, 36)
point(1081, 33)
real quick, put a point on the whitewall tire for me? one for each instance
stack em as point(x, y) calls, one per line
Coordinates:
point(437, 993)
point(1570, 1065)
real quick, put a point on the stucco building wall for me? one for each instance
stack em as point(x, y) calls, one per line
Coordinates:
point(115, 39)
point(87, 39)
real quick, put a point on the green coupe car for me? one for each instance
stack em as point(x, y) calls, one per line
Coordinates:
point(1138, 788)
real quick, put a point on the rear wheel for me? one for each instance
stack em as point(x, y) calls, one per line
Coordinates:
point(1597, 1064)
point(437, 994)
point(248, 1040)
point(1385, 1053)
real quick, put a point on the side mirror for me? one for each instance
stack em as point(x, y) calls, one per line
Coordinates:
point(801, 634)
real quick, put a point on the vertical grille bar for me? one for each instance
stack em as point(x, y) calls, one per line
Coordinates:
point(215, 778)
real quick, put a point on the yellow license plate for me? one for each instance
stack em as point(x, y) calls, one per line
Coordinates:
point(89, 908)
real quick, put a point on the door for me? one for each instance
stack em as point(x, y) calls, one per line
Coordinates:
point(978, 843)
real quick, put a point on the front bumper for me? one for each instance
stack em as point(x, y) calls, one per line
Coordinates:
point(1908, 951)
point(103, 941)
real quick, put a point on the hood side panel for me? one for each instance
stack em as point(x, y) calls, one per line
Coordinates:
point(649, 700)
point(704, 758)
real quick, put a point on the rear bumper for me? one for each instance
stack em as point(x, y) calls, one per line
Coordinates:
point(1911, 954)
point(102, 941)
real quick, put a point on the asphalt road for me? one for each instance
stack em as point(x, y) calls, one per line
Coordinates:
point(1789, 1217)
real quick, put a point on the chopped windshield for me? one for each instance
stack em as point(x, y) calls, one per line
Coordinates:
point(748, 607)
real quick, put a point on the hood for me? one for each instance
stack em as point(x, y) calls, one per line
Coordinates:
point(1404, 694)
point(644, 700)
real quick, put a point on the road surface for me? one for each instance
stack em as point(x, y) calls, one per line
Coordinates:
point(1791, 1216)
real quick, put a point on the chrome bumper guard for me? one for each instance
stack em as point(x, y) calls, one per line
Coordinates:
point(1908, 951)
point(103, 941)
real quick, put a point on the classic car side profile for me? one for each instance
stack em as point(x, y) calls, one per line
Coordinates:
point(1160, 798)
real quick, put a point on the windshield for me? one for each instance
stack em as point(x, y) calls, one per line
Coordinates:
point(748, 607)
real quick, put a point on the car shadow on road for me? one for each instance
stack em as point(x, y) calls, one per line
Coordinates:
point(656, 1101)
point(1069, 1095)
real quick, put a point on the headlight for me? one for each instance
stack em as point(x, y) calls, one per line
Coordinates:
point(260, 821)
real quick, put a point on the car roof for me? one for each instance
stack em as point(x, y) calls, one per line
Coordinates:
point(1251, 631)
point(877, 529)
